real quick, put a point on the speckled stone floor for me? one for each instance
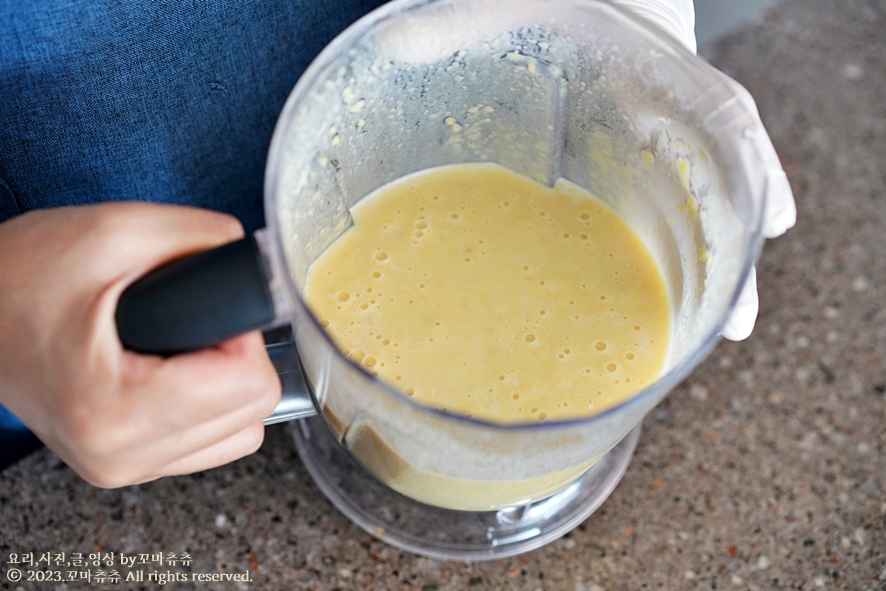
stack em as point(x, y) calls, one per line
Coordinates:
point(765, 470)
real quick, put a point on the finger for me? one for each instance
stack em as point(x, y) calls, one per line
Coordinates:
point(741, 320)
point(241, 444)
point(193, 388)
point(147, 460)
point(197, 438)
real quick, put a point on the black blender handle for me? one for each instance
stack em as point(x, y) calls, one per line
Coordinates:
point(196, 301)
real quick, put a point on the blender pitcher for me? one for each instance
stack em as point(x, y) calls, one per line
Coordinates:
point(574, 89)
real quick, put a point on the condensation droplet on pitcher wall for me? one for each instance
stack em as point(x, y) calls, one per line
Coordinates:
point(381, 255)
point(343, 296)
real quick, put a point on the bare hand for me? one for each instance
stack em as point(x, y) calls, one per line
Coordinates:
point(114, 416)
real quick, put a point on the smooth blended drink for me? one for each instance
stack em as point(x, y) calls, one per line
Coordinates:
point(480, 292)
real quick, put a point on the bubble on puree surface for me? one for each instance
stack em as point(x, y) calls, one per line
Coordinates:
point(476, 290)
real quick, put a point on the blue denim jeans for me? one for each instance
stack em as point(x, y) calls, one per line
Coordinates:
point(167, 101)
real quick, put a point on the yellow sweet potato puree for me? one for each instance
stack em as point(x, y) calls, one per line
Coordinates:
point(478, 291)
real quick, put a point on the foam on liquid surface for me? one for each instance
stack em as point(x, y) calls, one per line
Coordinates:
point(478, 291)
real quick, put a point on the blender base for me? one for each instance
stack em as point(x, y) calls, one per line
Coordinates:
point(446, 534)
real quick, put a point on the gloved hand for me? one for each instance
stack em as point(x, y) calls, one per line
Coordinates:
point(677, 18)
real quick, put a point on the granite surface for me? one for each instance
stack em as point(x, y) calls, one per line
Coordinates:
point(765, 470)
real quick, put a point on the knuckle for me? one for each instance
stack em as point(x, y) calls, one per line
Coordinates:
point(97, 442)
point(263, 383)
point(112, 228)
point(272, 392)
point(109, 474)
point(273, 387)
point(86, 435)
point(265, 392)
point(89, 443)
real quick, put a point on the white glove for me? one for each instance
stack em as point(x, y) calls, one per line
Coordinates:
point(677, 18)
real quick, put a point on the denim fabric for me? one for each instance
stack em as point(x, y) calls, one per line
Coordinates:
point(159, 100)
point(15, 439)
point(170, 101)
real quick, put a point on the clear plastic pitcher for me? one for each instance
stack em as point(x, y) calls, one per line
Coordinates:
point(577, 89)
